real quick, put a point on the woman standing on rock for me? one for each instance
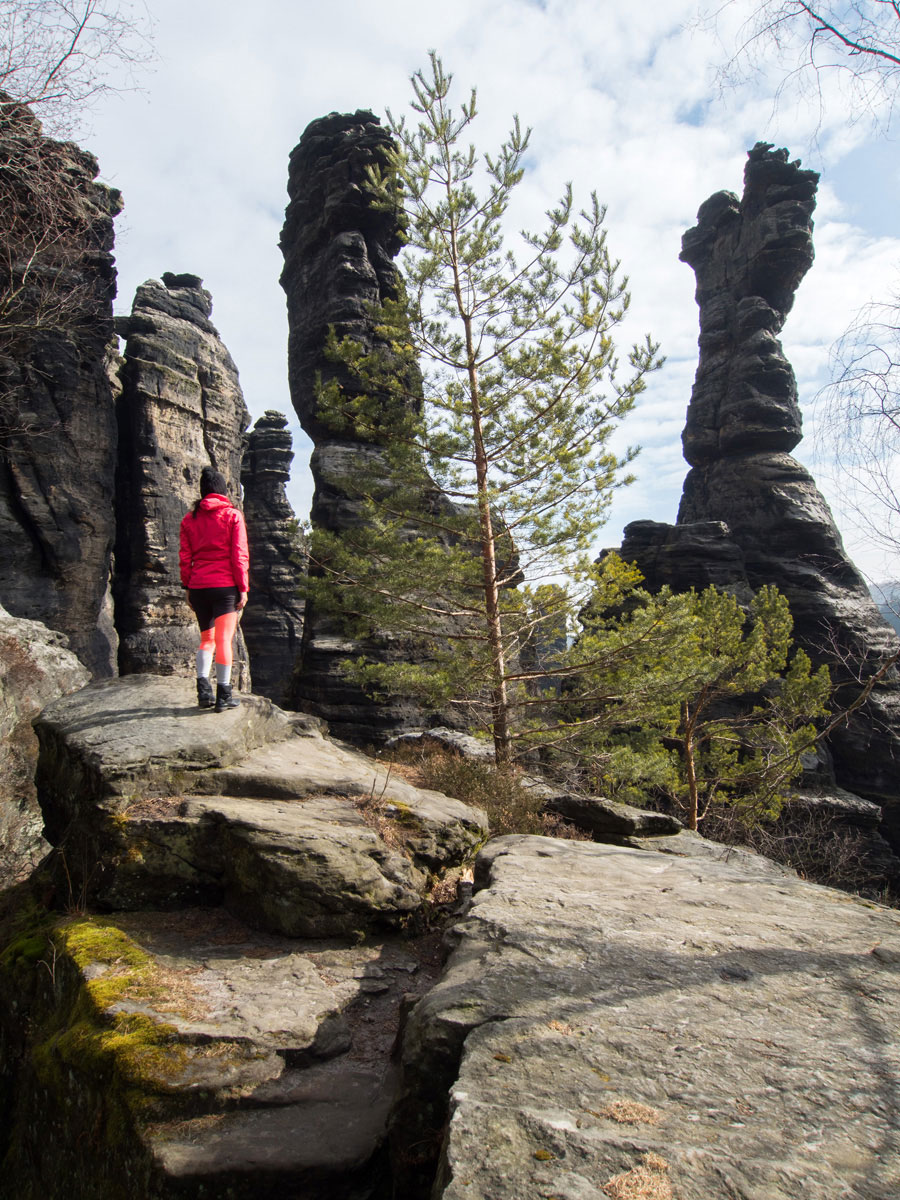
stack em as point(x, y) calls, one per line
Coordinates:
point(214, 569)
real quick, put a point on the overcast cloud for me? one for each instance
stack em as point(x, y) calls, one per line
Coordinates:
point(620, 101)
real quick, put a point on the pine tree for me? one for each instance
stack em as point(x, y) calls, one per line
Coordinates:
point(712, 707)
point(497, 483)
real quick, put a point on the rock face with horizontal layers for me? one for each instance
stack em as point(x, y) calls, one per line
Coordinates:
point(339, 249)
point(618, 1023)
point(57, 415)
point(272, 623)
point(750, 513)
point(35, 667)
point(181, 409)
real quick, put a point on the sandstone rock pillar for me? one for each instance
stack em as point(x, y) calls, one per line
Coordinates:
point(181, 409)
point(338, 249)
point(273, 619)
point(750, 514)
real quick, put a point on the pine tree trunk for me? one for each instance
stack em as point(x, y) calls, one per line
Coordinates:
point(690, 767)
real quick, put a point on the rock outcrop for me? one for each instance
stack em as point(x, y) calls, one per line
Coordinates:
point(272, 623)
point(162, 804)
point(239, 1042)
point(339, 248)
point(35, 668)
point(181, 409)
point(614, 1022)
point(750, 513)
point(57, 415)
point(663, 1018)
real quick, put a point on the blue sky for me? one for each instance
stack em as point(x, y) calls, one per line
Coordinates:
point(622, 101)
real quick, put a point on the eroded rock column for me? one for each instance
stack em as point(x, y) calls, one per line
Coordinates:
point(181, 409)
point(273, 619)
point(338, 249)
point(750, 513)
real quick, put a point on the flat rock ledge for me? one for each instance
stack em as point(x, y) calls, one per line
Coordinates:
point(617, 1023)
point(155, 803)
point(608, 820)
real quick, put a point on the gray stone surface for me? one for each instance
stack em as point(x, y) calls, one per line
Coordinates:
point(57, 417)
point(272, 623)
point(696, 1026)
point(607, 820)
point(157, 803)
point(452, 741)
point(35, 667)
point(181, 409)
point(219, 1062)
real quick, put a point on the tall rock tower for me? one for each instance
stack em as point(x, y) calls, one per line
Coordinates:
point(750, 514)
point(339, 248)
point(57, 407)
point(181, 409)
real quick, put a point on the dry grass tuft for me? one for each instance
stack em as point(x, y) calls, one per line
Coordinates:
point(630, 1112)
point(648, 1181)
point(376, 814)
point(511, 807)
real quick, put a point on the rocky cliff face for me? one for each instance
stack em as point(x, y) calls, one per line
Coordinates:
point(57, 417)
point(35, 668)
point(181, 408)
point(338, 250)
point(272, 623)
point(750, 513)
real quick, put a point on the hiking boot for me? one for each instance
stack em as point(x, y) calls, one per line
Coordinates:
point(205, 696)
point(224, 698)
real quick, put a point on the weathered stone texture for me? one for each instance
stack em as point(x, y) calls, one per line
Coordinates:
point(163, 804)
point(692, 1027)
point(750, 513)
point(57, 418)
point(35, 668)
point(181, 409)
point(220, 1062)
point(272, 623)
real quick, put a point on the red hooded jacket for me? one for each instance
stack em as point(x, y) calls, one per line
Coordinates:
point(213, 550)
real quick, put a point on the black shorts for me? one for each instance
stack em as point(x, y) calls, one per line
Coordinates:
point(209, 603)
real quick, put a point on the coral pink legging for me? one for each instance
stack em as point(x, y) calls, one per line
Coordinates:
point(221, 636)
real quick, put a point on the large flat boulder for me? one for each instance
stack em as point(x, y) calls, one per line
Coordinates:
point(156, 803)
point(622, 1023)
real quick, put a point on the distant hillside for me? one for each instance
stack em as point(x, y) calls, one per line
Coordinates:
point(887, 597)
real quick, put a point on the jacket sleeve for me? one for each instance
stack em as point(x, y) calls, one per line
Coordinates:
point(240, 556)
point(185, 553)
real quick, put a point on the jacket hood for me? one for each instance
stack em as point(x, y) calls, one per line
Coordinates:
point(213, 501)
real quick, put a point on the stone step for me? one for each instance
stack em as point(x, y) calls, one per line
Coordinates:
point(154, 802)
point(207, 1058)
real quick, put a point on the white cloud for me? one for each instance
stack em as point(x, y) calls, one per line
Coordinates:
point(622, 100)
